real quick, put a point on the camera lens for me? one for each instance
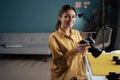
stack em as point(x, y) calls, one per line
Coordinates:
point(94, 51)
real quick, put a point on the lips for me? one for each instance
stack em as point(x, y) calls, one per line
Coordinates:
point(69, 23)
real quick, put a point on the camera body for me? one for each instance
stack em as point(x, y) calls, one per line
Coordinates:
point(94, 50)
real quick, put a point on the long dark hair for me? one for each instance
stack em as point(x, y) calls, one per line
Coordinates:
point(62, 10)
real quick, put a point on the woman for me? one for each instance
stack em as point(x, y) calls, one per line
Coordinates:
point(67, 53)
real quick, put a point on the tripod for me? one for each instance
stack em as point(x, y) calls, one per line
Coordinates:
point(103, 28)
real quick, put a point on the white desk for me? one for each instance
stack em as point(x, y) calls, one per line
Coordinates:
point(89, 71)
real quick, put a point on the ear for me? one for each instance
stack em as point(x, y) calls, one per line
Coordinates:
point(59, 18)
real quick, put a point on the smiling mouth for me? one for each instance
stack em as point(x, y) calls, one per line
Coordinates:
point(69, 22)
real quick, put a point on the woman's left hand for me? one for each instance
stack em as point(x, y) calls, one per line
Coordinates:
point(83, 48)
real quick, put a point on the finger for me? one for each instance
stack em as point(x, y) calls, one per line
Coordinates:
point(84, 45)
point(81, 48)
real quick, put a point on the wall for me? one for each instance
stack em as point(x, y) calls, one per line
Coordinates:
point(37, 15)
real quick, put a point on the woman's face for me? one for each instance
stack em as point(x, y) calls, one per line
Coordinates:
point(68, 18)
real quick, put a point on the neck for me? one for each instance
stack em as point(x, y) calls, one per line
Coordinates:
point(66, 30)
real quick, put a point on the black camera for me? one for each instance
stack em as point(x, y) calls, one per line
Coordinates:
point(94, 50)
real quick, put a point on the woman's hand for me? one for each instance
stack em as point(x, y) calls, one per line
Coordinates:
point(81, 48)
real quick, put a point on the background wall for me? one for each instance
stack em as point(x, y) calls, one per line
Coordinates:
point(38, 15)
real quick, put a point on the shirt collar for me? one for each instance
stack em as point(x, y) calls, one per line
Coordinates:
point(62, 33)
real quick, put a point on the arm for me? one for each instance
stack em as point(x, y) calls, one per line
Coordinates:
point(60, 59)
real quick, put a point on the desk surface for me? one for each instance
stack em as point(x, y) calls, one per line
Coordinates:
point(104, 64)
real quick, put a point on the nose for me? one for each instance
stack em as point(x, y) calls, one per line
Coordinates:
point(70, 17)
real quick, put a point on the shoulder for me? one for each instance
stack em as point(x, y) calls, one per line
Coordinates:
point(53, 34)
point(75, 31)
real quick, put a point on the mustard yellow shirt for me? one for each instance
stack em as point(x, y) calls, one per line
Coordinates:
point(66, 61)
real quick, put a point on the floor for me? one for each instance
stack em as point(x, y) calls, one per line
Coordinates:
point(24, 67)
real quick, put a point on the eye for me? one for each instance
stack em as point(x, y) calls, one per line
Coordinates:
point(66, 16)
point(73, 16)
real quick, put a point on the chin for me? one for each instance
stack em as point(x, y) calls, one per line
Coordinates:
point(70, 26)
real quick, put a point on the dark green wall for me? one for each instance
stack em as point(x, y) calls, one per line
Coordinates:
point(36, 15)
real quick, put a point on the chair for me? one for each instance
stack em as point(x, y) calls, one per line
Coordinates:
point(85, 35)
point(107, 38)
